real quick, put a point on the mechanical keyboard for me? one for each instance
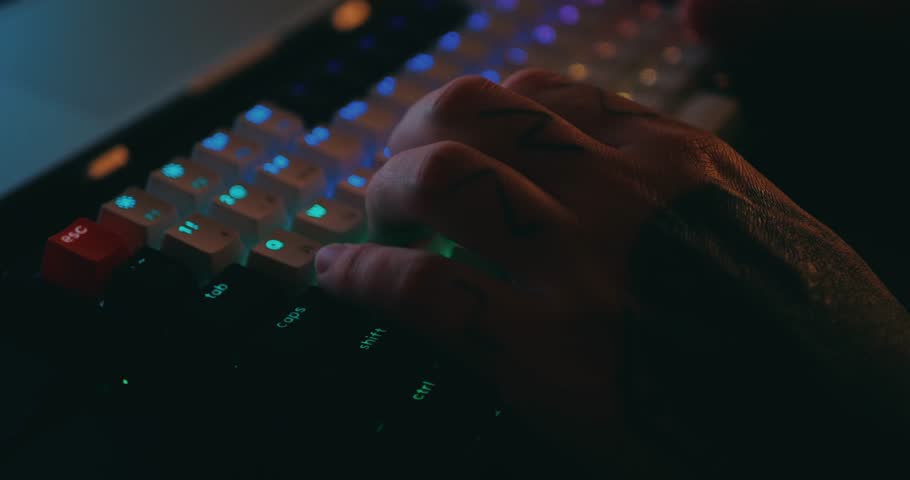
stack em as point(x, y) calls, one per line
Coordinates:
point(167, 319)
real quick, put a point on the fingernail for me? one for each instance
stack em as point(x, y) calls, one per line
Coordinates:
point(327, 255)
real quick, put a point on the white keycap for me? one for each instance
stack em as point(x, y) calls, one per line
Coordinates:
point(138, 217)
point(374, 121)
point(352, 190)
point(269, 125)
point(234, 158)
point(251, 211)
point(285, 256)
point(336, 152)
point(295, 180)
point(188, 186)
point(328, 221)
point(204, 245)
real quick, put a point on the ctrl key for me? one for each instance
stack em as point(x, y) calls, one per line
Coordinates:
point(81, 257)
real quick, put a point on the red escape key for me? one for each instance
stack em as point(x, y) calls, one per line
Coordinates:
point(80, 258)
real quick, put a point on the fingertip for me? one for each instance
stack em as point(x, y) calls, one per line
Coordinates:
point(327, 255)
point(534, 79)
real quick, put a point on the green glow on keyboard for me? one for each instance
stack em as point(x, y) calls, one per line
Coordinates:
point(274, 244)
point(316, 211)
point(227, 200)
point(125, 202)
point(173, 170)
point(152, 215)
point(200, 182)
point(125, 381)
point(188, 227)
point(238, 191)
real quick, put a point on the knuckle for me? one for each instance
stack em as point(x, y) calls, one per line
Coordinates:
point(458, 94)
point(435, 168)
point(357, 267)
point(530, 80)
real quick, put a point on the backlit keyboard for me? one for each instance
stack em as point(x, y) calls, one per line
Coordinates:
point(183, 308)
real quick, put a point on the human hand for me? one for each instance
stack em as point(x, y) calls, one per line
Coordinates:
point(555, 183)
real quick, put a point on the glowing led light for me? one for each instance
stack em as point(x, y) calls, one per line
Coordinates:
point(281, 161)
point(517, 56)
point(386, 86)
point(491, 75)
point(578, 71)
point(125, 202)
point(545, 34)
point(317, 136)
point(568, 14)
point(271, 168)
point(125, 381)
point(152, 215)
point(357, 181)
point(227, 200)
point(626, 95)
point(450, 41)
point(216, 142)
point(506, 5)
point(353, 110)
point(648, 76)
point(274, 244)
point(316, 211)
point(199, 183)
point(238, 191)
point(259, 114)
point(350, 15)
point(188, 227)
point(672, 55)
point(173, 170)
point(479, 21)
point(420, 63)
point(387, 151)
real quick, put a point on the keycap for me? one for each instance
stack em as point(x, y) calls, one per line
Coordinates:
point(352, 190)
point(138, 217)
point(286, 257)
point(292, 178)
point(250, 211)
point(233, 157)
point(381, 157)
point(328, 221)
point(204, 245)
point(408, 91)
point(335, 152)
point(186, 185)
point(81, 257)
point(445, 68)
point(374, 124)
point(270, 126)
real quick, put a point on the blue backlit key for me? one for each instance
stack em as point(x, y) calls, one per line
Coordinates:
point(286, 257)
point(352, 190)
point(138, 217)
point(269, 125)
point(186, 185)
point(328, 221)
point(295, 180)
point(233, 157)
point(405, 90)
point(251, 211)
point(373, 121)
point(204, 245)
point(336, 152)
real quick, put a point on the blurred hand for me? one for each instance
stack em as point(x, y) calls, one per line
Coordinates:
point(554, 181)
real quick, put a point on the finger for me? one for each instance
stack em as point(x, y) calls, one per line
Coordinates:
point(470, 198)
point(605, 116)
point(502, 124)
point(456, 307)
